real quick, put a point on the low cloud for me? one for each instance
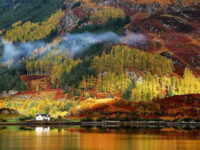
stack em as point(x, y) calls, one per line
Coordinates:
point(73, 42)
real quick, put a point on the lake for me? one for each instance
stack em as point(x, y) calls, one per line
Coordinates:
point(75, 138)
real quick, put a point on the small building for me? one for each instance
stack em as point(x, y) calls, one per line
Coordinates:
point(42, 117)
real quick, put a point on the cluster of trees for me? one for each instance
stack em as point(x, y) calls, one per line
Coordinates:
point(122, 57)
point(53, 63)
point(30, 31)
point(136, 74)
point(32, 107)
point(107, 72)
point(154, 86)
point(114, 25)
point(77, 75)
point(111, 74)
point(11, 82)
point(112, 67)
point(26, 10)
point(106, 13)
point(105, 19)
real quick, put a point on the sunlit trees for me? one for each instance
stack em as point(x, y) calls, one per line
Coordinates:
point(122, 57)
point(112, 67)
point(116, 71)
point(105, 13)
point(189, 83)
point(55, 63)
point(33, 31)
point(154, 87)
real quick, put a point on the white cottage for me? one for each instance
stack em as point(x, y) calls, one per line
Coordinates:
point(42, 117)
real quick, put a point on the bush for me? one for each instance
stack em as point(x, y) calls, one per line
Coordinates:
point(83, 20)
point(159, 112)
point(78, 93)
point(134, 118)
point(87, 119)
point(127, 19)
point(68, 106)
point(197, 120)
point(24, 118)
point(101, 119)
point(66, 90)
point(176, 120)
point(187, 119)
point(126, 118)
point(77, 4)
point(92, 95)
point(54, 86)
point(127, 94)
point(111, 96)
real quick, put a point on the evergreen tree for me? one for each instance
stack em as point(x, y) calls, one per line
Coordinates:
point(128, 92)
point(66, 89)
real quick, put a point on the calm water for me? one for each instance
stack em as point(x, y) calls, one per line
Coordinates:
point(75, 138)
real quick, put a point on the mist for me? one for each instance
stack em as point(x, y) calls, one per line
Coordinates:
point(12, 51)
point(133, 38)
point(73, 42)
point(79, 42)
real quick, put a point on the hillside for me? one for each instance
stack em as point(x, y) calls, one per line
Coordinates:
point(170, 28)
point(17, 10)
point(119, 53)
point(176, 107)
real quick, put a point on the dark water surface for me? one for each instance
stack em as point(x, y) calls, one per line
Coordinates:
point(75, 138)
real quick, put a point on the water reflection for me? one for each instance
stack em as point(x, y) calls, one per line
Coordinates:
point(75, 138)
point(42, 130)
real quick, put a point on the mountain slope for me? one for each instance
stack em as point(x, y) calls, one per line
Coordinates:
point(26, 10)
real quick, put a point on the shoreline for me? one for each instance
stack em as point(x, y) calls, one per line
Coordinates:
point(105, 123)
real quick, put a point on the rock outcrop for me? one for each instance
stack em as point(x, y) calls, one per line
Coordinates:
point(8, 93)
point(68, 22)
point(8, 111)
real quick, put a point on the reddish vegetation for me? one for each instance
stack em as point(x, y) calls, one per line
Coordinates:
point(186, 106)
point(80, 12)
point(44, 80)
point(136, 20)
point(45, 87)
point(175, 38)
point(170, 32)
point(182, 48)
point(60, 94)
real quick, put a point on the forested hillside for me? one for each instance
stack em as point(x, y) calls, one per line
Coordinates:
point(75, 50)
point(34, 31)
point(26, 10)
point(136, 75)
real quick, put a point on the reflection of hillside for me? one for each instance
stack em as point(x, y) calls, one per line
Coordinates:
point(73, 138)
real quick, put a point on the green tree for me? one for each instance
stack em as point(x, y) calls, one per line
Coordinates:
point(128, 92)
point(66, 89)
